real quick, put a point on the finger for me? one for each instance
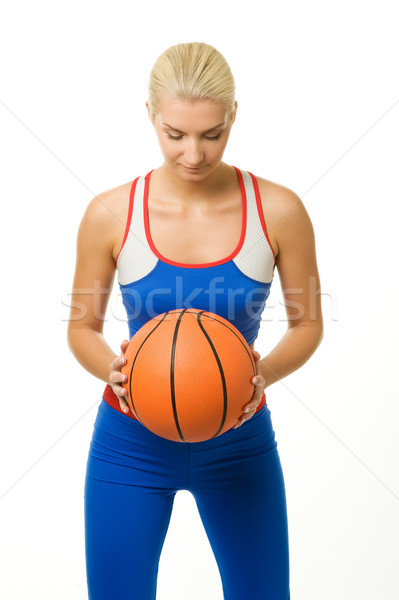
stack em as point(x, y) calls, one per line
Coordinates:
point(124, 346)
point(259, 381)
point(119, 391)
point(116, 363)
point(117, 376)
point(249, 409)
point(254, 402)
point(124, 405)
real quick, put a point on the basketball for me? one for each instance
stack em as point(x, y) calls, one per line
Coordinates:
point(189, 375)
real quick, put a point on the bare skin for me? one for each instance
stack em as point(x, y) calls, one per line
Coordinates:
point(195, 217)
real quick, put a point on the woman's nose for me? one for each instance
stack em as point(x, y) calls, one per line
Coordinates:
point(193, 153)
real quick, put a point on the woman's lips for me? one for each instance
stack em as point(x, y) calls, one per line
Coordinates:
point(193, 168)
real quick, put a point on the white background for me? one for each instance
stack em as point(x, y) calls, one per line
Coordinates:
point(318, 97)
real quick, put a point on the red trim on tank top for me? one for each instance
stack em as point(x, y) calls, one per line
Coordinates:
point(111, 399)
point(260, 212)
point(129, 214)
point(197, 265)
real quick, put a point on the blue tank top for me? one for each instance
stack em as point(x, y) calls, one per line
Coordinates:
point(235, 287)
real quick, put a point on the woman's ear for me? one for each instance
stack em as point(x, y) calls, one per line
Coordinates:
point(150, 115)
point(233, 116)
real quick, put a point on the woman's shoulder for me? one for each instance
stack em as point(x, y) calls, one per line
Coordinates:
point(106, 214)
point(275, 193)
point(281, 207)
point(111, 203)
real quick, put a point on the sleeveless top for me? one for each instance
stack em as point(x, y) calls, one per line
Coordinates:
point(235, 287)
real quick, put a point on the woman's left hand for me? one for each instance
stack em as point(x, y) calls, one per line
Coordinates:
point(260, 384)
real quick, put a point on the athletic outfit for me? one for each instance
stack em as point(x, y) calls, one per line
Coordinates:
point(236, 478)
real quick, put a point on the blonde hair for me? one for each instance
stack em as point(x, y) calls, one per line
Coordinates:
point(194, 71)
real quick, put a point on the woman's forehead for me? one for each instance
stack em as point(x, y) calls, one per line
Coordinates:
point(182, 114)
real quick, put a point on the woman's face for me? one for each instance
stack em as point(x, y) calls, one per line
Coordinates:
point(192, 135)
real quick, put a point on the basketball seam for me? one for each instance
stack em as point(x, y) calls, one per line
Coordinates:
point(221, 322)
point(206, 314)
point(220, 371)
point(134, 362)
point(172, 375)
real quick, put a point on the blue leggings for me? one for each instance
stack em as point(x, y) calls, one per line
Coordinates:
point(237, 482)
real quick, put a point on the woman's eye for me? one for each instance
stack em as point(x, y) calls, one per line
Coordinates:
point(179, 137)
point(174, 137)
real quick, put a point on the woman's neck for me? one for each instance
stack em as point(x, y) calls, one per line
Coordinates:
point(198, 192)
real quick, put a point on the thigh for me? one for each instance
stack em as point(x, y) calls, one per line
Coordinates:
point(125, 528)
point(239, 489)
point(127, 506)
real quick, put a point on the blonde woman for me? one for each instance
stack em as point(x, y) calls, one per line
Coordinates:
point(194, 232)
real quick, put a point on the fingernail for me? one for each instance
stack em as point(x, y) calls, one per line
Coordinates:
point(255, 380)
point(247, 410)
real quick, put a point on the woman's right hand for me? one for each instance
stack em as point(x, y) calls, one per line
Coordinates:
point(116, 378)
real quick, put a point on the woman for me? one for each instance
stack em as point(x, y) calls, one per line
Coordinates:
point(191, 232)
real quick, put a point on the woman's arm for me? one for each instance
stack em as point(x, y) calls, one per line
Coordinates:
point(92, 285)
point(297, 267)
point(292, 231)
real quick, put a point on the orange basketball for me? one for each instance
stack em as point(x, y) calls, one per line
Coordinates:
point(189, 375)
